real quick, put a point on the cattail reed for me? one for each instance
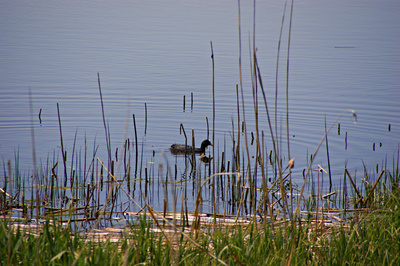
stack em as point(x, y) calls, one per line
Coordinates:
point(145, 118)
point(191, 101)
point(136, 146)
point(146, 181)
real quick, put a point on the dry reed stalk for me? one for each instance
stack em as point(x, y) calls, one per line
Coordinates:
point(191, 101)
point(328, 160)
point(274, 144)
point(213, 129)
point(108, 199)
point(352, 183)
point(145, 118)
point(62, 147)
point(369, 195)
point(108, 142)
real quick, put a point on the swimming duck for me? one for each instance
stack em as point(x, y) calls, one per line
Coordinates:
point(182, 149)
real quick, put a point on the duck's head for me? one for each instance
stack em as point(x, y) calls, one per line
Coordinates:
point(205, 144)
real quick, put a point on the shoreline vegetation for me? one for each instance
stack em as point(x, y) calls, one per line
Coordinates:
point(69, 211)
point(370, 237)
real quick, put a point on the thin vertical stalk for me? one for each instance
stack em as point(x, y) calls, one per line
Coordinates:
point(182, 129)
point(136, 145)
point(237, 152)
point(104, 123)
point(85, 162)
point(241, 89)
point(32, 133)
point(71, 176)
point(213, 130)
point(327, 157)
point(287, 105)
point(191, 103)
point(145, 118)
point(260, 152)
point(193, 152)
point(62, 147)
point(208, 128)
point(287, 78)
point(246, 141)
point(274, 144)
point(35, 174)
point(276, 75)
point(255, 106)
point(240, 84)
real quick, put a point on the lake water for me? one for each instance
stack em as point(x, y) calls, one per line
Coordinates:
point(343, 55)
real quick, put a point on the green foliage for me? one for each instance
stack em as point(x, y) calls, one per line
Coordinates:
point(373, 238)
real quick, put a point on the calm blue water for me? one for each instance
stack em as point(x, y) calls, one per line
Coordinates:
point(344, 55)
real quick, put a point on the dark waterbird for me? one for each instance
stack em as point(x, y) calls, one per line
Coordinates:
point(182, 149)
